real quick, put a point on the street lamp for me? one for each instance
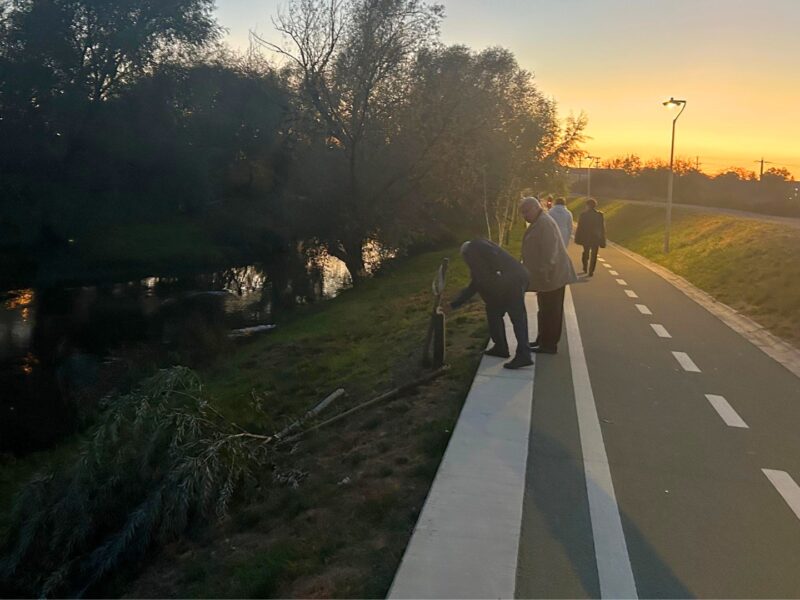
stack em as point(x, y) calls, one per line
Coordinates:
point(671, 103)
point(589, 176)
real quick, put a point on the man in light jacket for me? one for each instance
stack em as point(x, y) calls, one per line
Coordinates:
point(563, 218)
point(550, 271)
point(501, 281)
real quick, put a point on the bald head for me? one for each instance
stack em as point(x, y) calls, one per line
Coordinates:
point(530, 208)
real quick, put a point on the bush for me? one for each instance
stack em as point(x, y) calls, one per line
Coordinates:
point(160, 459)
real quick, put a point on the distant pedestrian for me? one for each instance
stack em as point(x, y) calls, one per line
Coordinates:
point(549, 203)
point(550, 271)
point(502, 282)
point(563, 218)
point(591, 234)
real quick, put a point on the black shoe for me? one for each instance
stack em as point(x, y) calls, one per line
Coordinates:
point(544, 350)
point(518, 362)
point(498, 352)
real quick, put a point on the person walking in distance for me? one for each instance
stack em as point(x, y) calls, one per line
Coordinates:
point(550, 271)
point(563, 218)
point(502, 282)
point(591, 234)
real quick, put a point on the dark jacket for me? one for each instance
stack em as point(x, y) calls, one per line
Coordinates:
point(591, 229)
point(496, 275)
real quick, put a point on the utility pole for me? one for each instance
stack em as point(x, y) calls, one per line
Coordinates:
point(762, 161)
point(697, 163)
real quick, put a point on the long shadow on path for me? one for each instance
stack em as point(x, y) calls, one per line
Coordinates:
point(556, 554)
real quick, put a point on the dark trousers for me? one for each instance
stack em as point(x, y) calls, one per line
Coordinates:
point(515, 307)
point(585, 259)
point(550, 318)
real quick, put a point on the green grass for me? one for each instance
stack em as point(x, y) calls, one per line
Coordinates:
point(748, 265)
point(346, 539)
point(367, 340)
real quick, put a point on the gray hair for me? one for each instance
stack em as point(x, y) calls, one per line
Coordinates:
point(464, 247)
point(530, 201)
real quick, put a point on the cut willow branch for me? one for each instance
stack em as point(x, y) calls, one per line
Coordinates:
point(398, 391)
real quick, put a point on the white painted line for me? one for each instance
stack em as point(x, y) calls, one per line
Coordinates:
point(643, 309)
point(631, 294)
point(686, 362)
point(606, 265)
point(786, 487)
point(601, 259)
point(660, 330)
point(725, 410)
point(611, 551)
point(622, 282)
point(614, 273)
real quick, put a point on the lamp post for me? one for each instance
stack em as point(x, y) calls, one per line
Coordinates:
point(671, 103)
point(589, 175)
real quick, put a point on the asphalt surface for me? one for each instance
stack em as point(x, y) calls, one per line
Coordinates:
point(700, 516)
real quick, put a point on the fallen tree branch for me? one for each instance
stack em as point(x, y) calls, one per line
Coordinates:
point(311, 413)
point(398, 391)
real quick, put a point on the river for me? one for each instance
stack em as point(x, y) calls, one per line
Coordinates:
point(64, 346)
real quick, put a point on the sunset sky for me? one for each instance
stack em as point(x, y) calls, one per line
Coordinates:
point(735, 62)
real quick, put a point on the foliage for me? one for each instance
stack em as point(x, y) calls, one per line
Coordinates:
point(628, 177)
point(118, 112)
point(160, 459)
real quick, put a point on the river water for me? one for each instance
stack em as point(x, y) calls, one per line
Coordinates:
point(64, 346)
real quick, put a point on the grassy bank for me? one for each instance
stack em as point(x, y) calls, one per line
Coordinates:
point(335, 514)
point(748, 265)
point(341, 532)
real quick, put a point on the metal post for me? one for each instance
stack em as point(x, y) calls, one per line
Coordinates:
point(589, 176)
point(589, 181)
point(668, 225)
point(669, 191)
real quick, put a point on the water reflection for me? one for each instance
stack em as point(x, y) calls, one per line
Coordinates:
point(59, 344)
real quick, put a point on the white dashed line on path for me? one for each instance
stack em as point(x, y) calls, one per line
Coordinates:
point(622, 282)
point(643, 309)
point(725, 410)
point(686, 362)
point(601, 259)
point(606, 265)
point(660, 330)
point(631, 294)
point(610, 548)
point(613, 273)
point(786, 487)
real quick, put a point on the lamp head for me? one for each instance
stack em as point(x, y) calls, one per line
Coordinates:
point(672, 103)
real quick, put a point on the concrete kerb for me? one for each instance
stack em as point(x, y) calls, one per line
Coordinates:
point(466, 541)
point(779, 350)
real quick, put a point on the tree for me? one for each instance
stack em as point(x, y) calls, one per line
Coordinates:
point(60, 59)
point(777, 174)
point(349, 62)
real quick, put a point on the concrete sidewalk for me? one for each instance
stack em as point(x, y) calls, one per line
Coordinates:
point(466, 542)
